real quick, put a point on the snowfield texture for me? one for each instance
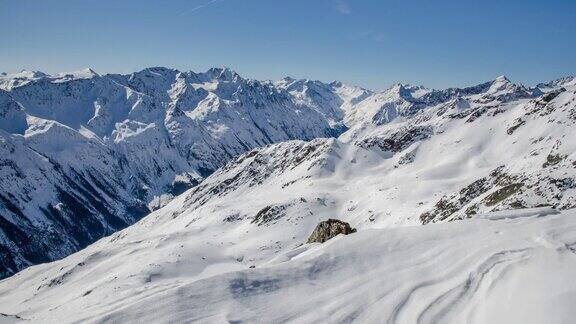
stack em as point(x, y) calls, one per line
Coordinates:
point(84, 155)
point(516, 270)
point(497, 159)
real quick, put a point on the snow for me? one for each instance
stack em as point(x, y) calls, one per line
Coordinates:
point(116, 143)
point(479, 161)
point(528, 212)
point(24, 77)
point(85, 73)
point(9, 81)
point(473, 271)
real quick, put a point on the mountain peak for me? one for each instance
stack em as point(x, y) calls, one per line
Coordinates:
point(336, 83)
point(502, 83)
point(397, 87)
point(502, 78)
point(401, 90)
point(12, 80)
point(86, 73)
point(89, 71)
point(159, 69)
point(567, 81)
point(26, 74)
point(223, 73)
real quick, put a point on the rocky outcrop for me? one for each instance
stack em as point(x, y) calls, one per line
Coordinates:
point(328, 229)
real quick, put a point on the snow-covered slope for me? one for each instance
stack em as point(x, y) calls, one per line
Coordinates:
point(498, 160)
point(486, 270)
point(483, 151)
point(335, 101)
point(84, 155)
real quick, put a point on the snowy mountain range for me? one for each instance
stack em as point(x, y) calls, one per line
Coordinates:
point(238, 172)
point(85, 155)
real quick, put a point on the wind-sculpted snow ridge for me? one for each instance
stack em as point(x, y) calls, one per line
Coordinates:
point(85, 155)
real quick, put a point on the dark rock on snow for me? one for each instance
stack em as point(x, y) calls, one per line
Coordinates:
point(328, 229)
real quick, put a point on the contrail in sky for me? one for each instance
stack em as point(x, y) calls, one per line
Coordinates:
point(192, 10)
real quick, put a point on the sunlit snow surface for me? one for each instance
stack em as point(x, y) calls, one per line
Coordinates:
point(230, 249)
point(517, 270)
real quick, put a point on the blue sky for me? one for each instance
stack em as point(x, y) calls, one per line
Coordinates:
point(368, 43)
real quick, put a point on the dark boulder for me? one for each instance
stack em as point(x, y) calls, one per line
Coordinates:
point(328, 229)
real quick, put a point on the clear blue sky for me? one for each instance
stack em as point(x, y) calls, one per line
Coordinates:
point(370, 43)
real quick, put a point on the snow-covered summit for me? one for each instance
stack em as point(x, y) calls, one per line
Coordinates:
point(10, 81)
point(568, 82)
point(86, 73)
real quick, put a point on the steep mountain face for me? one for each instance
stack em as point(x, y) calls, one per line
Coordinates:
point(493, 167)
point(335, 101)
point(499, 146)
point(476, 153)
point(85, 155)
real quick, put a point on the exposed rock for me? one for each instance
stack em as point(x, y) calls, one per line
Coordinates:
point(328, 229)
point(502, 193)
point(553, 159)
point(517, 123)
point(450, 204)
point(269, 214)
point(397, 140)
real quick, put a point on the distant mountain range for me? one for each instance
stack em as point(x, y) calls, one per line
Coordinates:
point(84, 155)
